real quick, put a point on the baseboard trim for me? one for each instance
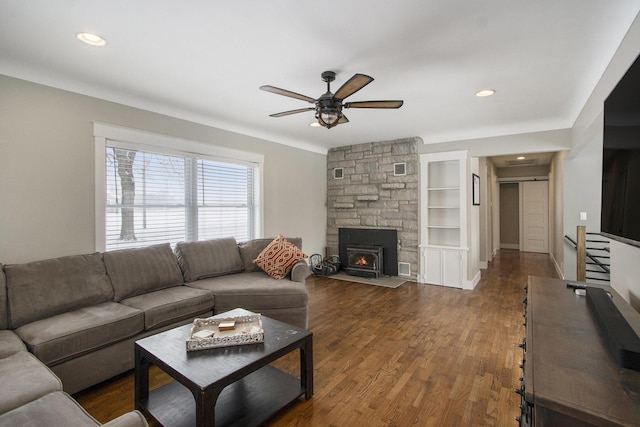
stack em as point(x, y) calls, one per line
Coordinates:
point(471, 284)
point(556, 266)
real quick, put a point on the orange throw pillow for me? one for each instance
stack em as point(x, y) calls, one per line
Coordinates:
point(278, 257)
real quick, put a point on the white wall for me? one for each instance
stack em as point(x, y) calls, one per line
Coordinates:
point(534, 142)
point(625, 272)
point(582, 181)
point(583, 170)
point(495, 211)
point(473, 260)
point(47, 188)
point(556, 208)
point(485, 225)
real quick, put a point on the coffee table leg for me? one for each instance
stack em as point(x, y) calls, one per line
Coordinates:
point(306, 367)
point(141, 380)
point(206, 407)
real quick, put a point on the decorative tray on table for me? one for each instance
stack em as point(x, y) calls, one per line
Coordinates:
point(225, 331)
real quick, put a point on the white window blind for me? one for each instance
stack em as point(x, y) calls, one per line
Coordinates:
point(155, 197)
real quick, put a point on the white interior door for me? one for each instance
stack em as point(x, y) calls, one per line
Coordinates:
point(535, 216)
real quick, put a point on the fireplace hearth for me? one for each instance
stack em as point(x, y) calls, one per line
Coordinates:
point(365, 260)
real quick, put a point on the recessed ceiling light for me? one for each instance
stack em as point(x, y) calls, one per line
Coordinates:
point(520, 158)
point(91, 39)
point(485, 92)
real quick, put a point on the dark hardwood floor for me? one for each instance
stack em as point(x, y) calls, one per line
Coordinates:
point(418, 355)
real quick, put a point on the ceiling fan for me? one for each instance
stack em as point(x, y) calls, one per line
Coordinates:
point(329, 106)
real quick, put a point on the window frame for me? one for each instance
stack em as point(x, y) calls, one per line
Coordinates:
point(163, 144)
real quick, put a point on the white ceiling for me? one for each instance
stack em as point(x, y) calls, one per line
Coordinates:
point(204, 60)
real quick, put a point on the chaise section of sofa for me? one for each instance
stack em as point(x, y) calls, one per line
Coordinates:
point(226, 269)
point(282, 300)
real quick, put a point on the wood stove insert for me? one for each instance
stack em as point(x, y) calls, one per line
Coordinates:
point(387, 238)
point(365, 260)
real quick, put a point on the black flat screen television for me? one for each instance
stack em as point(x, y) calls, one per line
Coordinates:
point(620, 208)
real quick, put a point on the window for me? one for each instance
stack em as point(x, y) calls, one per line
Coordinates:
point(154, 195)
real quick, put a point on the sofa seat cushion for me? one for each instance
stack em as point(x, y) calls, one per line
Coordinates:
point(24, 378)
point(141, 270)
point(10, 343)
point(253, 291)
point(55, 409)
point(171, 305)
point(208, 258)
point(40, 289)
point(71, 334)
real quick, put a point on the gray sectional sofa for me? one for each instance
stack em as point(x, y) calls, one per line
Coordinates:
point(80, 315)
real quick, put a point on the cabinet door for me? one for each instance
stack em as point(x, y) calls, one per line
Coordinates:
point(433, 266)
point(452, 268)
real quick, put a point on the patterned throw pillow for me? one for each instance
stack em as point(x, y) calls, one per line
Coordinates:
point(278, 257)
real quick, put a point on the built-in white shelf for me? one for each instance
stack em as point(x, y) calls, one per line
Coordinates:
point(443, 234)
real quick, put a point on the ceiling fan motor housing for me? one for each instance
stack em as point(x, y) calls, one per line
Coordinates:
point(328, 76)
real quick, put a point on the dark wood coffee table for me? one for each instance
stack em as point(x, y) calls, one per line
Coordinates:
point(227, 386)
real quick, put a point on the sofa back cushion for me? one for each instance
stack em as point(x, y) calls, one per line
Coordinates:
point(42, 289)
point(4, 320)
point(142, 270)
point(250, 250)
point(209, 258)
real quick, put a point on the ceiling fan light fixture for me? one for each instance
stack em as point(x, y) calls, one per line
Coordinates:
point(328, 113)
point(329, 117)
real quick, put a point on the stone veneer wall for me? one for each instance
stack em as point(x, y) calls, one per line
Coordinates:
point(370, 196)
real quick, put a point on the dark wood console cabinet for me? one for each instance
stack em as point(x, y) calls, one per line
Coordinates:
point(570, 376)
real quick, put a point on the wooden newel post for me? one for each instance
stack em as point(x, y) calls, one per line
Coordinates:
point(581, 253)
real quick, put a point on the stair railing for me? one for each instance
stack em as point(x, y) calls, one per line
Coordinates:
point(593, 258)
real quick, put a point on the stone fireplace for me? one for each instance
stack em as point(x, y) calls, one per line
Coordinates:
point(375, 186)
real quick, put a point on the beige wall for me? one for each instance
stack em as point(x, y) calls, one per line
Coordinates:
point(47, 184)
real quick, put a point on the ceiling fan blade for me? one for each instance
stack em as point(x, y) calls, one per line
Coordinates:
point(343, 119)
point(288, 113)
point(354, 84)
point(374, 104)
point(288, 93)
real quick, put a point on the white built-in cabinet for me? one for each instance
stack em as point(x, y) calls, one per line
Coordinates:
point(444, 195)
